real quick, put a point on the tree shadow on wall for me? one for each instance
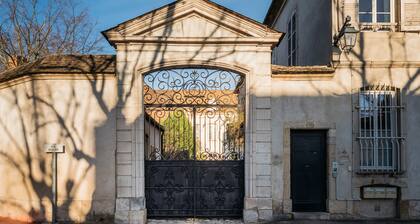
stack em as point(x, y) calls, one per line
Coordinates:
point(83, 113)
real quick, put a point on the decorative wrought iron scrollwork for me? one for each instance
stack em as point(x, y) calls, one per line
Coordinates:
point(194, 114)
point(192, 87)
point(194, 143)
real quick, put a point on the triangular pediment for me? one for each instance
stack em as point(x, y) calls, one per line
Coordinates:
point(186, 20)
point(193, 25)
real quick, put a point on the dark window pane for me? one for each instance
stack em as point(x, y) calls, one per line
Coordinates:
point(383, 18)
point(366, 122)
point(365, 5)
point(383, 6)
point(365, 18)
point(294, 22)
point(294, 42)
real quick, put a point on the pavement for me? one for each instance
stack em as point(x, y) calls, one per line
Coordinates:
point(224, 221)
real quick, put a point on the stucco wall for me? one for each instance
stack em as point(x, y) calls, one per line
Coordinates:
point(78, 113)
point(313, 28)
point(327, 104)
point(390, 58)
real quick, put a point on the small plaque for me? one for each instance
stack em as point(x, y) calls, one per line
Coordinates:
point(54, 148)
point(379, 192)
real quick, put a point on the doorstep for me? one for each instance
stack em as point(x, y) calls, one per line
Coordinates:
point(311, 215)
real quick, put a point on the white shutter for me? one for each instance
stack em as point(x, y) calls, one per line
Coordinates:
point(410, 15)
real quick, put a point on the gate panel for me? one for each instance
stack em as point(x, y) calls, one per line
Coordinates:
point(219, 188)
point(170, 188)
point(194, 143)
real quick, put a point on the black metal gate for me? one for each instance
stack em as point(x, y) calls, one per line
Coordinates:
point(194, 143)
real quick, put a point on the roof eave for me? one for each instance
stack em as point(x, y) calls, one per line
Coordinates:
point(274, 10)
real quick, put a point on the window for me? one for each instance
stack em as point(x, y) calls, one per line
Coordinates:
point(380, 135)
point(379, 12)
point(292, 40)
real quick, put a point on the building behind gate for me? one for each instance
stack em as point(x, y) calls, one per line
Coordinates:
point(203, 112)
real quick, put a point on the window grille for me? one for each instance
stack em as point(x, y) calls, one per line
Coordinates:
point(292, 40)
point(380, 136)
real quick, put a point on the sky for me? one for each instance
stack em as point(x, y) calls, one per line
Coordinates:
point(109, 13)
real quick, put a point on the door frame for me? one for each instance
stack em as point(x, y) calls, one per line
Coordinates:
point(330, 128)
point(324, 164)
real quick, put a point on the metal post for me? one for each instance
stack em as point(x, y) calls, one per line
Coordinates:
point(194, 159)
point(194, 134)
point(54, 187)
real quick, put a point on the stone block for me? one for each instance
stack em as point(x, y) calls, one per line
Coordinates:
point(331, 140)
point(251, 203)
point(124, 146)
point(263, 170)
point(263, 192)
point(122, 217)
point(262, 158)
point(251, 216)
point(263, 103)
point(124, 181)
point(263, 125)
point(138, 217)
point(265, 215)
point(337, 206)
point(263, 181)
point(263, 137)
point(137, 204)
point(123, 192)
point(122, 125)
point(124, 158)
point(122, 204)
point(265, 204)
point(332, 133)
point(414, 209)
point(263, 114)
point(124, 170)
point(124, 136)
point(263, 147)
point(287, 205)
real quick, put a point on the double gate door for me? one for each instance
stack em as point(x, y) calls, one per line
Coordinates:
point(194, 143)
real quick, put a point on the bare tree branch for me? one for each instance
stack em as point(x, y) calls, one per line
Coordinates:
point(31, 29)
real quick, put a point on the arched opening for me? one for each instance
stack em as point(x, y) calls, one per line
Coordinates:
point(194, 142)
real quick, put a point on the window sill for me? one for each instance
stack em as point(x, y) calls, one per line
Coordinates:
point(379, 172)
point(378, 27)
point(302, 72)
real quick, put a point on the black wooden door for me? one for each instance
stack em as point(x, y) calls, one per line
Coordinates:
point(308, 170)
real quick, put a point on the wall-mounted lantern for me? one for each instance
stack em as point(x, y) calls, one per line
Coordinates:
point(347, 36)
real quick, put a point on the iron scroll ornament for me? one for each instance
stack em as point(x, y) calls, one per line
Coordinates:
point(200, 113)
point(192, 87)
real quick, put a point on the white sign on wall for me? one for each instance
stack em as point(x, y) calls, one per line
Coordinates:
point(54, 148)
point(380, 192)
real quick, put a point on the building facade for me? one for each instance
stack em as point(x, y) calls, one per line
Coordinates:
point(334, 134)
point(368, 104)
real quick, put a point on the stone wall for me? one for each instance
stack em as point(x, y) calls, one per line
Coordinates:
point(327, 103)
point(75, 110)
